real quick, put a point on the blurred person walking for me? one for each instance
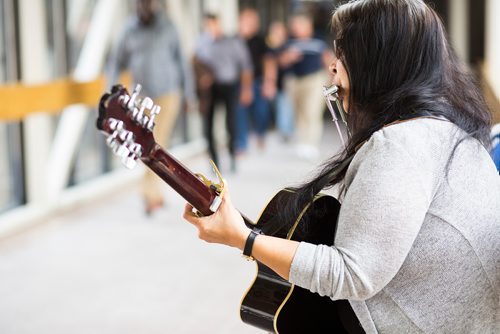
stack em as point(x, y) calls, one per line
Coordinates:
point(149, 47)
point(256, 113)
point(276, 41)
point(229, 61)
point(308, 58)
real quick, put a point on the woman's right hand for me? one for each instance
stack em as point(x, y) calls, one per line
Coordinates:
point(225, 226)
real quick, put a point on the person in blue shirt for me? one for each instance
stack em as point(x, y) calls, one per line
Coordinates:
point(495, 147)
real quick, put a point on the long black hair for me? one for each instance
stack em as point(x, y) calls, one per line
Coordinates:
point(400, 66)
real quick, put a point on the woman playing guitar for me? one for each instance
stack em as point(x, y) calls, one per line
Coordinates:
point(418, 234)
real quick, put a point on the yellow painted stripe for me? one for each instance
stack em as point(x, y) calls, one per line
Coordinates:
point(20, 100)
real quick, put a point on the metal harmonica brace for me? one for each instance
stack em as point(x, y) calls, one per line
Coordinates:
point(330, 93)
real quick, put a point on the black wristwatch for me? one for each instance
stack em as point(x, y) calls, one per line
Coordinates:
point(247, 251)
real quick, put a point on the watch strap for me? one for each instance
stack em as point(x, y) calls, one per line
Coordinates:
point(247, 250)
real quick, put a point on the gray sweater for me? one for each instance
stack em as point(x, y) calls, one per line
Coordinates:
point(153, 55)
point(416, 250)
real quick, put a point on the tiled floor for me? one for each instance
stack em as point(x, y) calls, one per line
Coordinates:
point(106, 268)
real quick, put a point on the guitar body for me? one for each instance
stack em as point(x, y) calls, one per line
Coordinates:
point(272, 303)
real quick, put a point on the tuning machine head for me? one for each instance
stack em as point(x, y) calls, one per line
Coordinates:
point(122, 143)
point(145, 113)
point(142, 110)
point(134, 153)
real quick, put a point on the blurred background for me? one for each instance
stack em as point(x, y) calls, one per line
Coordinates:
point(78, 251)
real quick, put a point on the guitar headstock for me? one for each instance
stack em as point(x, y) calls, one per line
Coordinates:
point(128, 122)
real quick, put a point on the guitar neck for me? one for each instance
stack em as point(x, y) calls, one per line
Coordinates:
point(183, 181)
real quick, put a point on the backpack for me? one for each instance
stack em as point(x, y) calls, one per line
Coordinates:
point(495, 145)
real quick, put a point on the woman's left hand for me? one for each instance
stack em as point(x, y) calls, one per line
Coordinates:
point(225, 226)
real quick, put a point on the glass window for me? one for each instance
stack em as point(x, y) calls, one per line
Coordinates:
point(93, 157)
point(5, 175)
point(11, 167)
point(5, 187)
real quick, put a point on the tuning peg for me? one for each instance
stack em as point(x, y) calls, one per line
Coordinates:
point(155, 110)
point(135, 112)
point(129, 162)
point(111, 139)
point(136, 149)
point(111, 142)
point(146, 103)
point(130, 155)
point(115, 124)
point(138, 114)
point(122, 151)
point(126, 136)
point(144, 121)
point(133, 97)
point(151, 124)
point(112, 123)
point(139, 117)
point(116, 147)
point(123, 100)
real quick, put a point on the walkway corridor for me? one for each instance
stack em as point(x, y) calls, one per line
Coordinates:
point(105, 268)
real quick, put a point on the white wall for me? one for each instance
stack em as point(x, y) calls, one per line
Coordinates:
point(492, 41)
point(227, 11)
point(186, 17)
point(459, 28)
point(37, 127)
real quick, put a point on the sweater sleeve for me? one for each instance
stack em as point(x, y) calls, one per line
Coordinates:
point(384, 207)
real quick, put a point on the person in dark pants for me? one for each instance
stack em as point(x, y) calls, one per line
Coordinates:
point(231, 67)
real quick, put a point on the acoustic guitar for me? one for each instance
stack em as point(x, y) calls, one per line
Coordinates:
point(271, 303)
